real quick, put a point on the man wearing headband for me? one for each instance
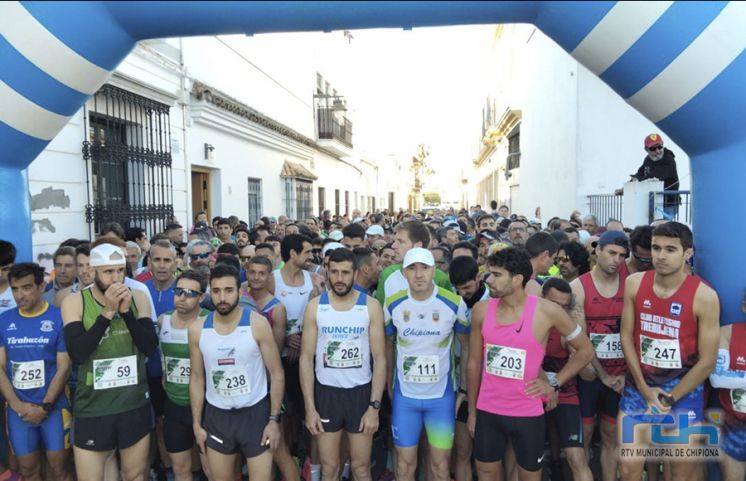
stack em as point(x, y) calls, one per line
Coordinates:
point(109, 333)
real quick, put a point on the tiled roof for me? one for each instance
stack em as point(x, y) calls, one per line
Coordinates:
point(292, 169)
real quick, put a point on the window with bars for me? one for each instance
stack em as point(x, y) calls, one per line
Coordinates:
point(129, 149)
point(336, 201)
point(514, 151)
point(322, 200)
point(298, 198)
point(255, 200)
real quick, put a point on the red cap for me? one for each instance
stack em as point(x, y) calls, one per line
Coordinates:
point(653, 139)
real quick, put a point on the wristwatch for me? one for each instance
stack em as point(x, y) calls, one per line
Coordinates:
point(375, 404)
point(554, 383)
point(276, 417)
point(47, 407)
point(666, 400)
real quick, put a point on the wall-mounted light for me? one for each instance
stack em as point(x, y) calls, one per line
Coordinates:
point(209, 152)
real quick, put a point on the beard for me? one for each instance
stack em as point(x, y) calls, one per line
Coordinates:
point(224, 308)
point(343, 292)
point(101, 286)
point(657, 157)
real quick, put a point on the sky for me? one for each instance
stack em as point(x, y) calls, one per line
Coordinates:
point(424, 86)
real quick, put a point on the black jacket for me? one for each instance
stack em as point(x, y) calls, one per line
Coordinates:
point(665, 170)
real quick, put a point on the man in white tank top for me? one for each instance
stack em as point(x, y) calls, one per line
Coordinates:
point(343, 331)
point(231, 353)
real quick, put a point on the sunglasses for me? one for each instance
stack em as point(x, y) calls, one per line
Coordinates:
point(655, 147)
point(188, 293)
point(316, 251)
point(644, 260)
point(561, 259)
point(204, 255)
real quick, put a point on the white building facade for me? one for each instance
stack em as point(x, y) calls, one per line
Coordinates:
point(553, 132)
point(244, 126)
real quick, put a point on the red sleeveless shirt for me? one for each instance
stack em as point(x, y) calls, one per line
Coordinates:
point(666, 330)
point(603, 316)
point(734, 400)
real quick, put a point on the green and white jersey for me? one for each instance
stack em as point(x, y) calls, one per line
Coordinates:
point(392, 280)
point(424, 333)
point(177, 367)
point(113, 380)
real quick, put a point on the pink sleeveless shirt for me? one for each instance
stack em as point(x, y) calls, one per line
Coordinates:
point(512, 357)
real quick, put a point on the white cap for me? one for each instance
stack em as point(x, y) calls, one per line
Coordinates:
point(106, 255)
point(331, 246)
point(418, 254)
point(374, 230)
point(336, 235)
point(357, 219)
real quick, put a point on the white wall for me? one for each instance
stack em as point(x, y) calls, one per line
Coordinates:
point(578, 137)
point(59, 213)
point(610, 140)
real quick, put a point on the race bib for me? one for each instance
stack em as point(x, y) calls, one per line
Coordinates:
point(421, 369)
point(607, 346)
point(343, 354)
point(505, 362)
point(738, 400)
point(660, 353)
point(178, 370)
point(28, 375)
point(114, 372)
point(230, 381)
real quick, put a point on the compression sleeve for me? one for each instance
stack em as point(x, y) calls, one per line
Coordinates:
point(143, 333)
point(725, 378)
point(81, 343)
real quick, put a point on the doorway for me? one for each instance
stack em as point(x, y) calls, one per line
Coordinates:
point(201, 191)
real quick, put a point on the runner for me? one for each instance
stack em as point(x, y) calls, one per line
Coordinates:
point(34, 367)
point(730, 377)
point(109, 342)
point(466, 278)
point(507, 346)
point(256, 296)
point(563, 409)
point(343, 329)
point(178, 434)
point(408, 235)
point(231, 353)
point(420, 324)
point(669, 334)
point(599, 298)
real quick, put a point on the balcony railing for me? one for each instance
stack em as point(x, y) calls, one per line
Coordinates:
point(657, 207)
point(605, 207)
point(330, 127)
point(609, 206)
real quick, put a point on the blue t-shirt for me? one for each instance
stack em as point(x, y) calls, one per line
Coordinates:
point(31, 346)
point(163, 302)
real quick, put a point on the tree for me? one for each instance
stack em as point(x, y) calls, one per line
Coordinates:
point(432, 198)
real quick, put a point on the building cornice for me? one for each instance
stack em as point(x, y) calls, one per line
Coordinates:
point(202, 91)
point(496, 133)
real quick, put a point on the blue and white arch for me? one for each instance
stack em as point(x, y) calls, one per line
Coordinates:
point(681, 64)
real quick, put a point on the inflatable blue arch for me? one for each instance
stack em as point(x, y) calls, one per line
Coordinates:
point(681, 64)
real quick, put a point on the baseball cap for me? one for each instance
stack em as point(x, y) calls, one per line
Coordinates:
point(374, 230)
point(331, 246)
point(106, 255)
point(418, 254)
point(357, 219)
point(488, 234)
point(449, 223)
point(653, 139)
point(336, 235)
point(613, 237)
